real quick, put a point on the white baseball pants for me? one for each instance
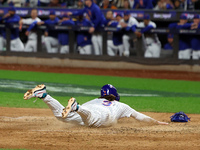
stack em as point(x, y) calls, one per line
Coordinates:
point(85, 50)
point(184, 54)
point(51, 44)
point(97, 44)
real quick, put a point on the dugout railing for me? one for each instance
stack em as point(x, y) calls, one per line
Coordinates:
point(138, 53)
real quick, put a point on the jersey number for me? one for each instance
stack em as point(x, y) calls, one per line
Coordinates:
point(107, 103)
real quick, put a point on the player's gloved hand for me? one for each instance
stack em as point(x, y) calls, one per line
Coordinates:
point(162, 123)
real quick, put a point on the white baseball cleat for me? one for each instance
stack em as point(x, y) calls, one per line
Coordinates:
point(72, 106)
point(39, 92)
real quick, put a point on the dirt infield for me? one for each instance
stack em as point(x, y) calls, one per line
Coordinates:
point(39, 129)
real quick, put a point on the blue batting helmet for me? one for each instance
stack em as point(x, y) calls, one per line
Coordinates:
point(109, 89)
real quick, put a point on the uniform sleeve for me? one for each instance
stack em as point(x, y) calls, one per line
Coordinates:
point(32, 26)
point(78, 13)
point(135, 4)
point(13, 20)
point(172, 25)
point(149, 4)
point(97, 19)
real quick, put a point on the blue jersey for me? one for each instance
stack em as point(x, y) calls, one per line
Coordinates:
point(95, 14)
point(63, 37)
point(147, 4)
point(195, 41)
point(84, 38)
point(184, 41)
point(48, 23)
point(117, 36)
point(13, 20)
point(168, 46)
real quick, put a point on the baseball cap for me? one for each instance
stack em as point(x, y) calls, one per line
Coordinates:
point(65, 15)
point(146, 17)
point(170, 36)
point(196, 16)
point(183, 17)
point(52, 12)
point(119, 14)
point(11, 9)
point(127, 13)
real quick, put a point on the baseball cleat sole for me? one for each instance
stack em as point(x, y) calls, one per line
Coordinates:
point(35, 91)
point(69, 107)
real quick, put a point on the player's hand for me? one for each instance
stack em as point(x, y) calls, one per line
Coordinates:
point(123, 24)
point(27, 33)
point(69, 13)
point(6, 15)
point(138, 34)
point(194, 26)
point(46, 33)
point(91, 30)
point(162, 123)
point(40, 23)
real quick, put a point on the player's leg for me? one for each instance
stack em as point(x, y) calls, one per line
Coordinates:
point(186, 54)
point(1, 43)
point(85, 50)
point(40, 92)
point(95, 44)
point(195, 55)
point(92, 115)
point(100, 42)
point(148, 53)
point(111, 48)
point(29, 46)
point(64, 49)
point(126, 45)
point(47, 43)
point(155, 50)
point(16, 45)
point(121, 49)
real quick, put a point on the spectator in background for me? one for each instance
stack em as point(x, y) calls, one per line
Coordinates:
point(98, 2)
point(184, 40)
point(3, 3)
point(195, 40)
point(30, 3)
point(51, 36)
point(164, 5)
point(15, 3)
point(43, 3)
point(152, 43)
point(118, 3)
point(83, 38)
point(187, 4)
point(127, 4)
point(31, 45)
point(80, 4)
point(169, 45)
point(177, 5)
point(54, 3)
point(107, 5)
point(10, 18)
point(63, 36)
point(143, 4)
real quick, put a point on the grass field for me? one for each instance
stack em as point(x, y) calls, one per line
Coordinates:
point(154, 95)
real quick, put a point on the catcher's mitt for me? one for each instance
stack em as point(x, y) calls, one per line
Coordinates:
point(179, 117)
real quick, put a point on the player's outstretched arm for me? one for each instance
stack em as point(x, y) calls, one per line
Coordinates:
point(162, 123)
